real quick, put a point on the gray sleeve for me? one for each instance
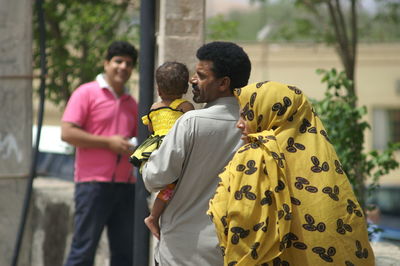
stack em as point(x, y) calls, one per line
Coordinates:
point(166, 164)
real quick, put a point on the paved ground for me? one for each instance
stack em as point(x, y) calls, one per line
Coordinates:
point(387, 253)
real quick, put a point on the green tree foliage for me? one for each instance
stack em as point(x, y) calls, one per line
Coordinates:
point(335, 22)
point(346, 129)
point(387, 17)
point(77, 35)
point(292, 22)
point(342, 23)
point(220, 28)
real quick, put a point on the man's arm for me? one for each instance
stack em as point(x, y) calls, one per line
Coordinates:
point(78, 137)
point(165, 164)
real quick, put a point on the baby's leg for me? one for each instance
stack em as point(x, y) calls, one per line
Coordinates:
point(159, 205)
point(152, 220)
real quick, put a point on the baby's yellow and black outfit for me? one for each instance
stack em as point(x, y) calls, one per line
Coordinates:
point(162, 119)
point(284, 199)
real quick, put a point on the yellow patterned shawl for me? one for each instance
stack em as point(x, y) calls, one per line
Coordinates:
point(284, 198)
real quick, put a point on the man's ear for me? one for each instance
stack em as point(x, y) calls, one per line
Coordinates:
point(105, 63)
point(225, 83)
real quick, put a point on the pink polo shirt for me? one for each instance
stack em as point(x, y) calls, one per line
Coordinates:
point(97, 110)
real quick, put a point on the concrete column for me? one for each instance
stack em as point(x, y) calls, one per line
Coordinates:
point(15, 87)
point(180, 32)
point(48, 235)
point(15, 117)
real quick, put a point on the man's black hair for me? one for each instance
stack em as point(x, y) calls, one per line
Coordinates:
point(229, 60)
point(122, 48)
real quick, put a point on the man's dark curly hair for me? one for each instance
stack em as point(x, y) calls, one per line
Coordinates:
point(229, 60)
point(122, 48)
point(172, 78)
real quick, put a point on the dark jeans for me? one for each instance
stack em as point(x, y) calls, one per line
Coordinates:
point(98, 205)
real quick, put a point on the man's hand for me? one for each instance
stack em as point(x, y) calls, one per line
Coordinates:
point(120, 145)
point(76, 136)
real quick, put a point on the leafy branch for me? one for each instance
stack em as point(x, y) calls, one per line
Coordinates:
point(77, 35)
point(345, 125)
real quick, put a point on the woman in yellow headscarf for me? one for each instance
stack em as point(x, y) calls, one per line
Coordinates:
point(284, 199)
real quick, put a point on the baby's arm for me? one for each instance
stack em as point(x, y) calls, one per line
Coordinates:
point(150, 127)
point(185, 106)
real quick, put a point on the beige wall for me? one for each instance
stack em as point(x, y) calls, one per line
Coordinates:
point(378, 68)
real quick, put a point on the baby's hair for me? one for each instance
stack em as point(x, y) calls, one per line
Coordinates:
point(172, 78)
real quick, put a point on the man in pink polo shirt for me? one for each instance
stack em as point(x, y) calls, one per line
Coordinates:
point(99, 119)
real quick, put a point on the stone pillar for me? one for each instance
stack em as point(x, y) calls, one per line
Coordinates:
point(180, 32)
point(48, 235)
point(15, 117)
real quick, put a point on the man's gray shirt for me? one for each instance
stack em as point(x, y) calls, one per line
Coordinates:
point(194, 152)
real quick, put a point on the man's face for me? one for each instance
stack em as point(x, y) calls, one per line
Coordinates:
point(206, 87)
point(118, 70)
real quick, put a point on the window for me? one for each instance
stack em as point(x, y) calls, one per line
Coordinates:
point(386, 127)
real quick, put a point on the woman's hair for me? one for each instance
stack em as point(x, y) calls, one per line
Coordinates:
point(229, 60)
point(122, 48)
point(172, 78)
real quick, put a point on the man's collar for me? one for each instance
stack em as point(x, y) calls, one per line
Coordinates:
point(104, 85)
point(222, 101)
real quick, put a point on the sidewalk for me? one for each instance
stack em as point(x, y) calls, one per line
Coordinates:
point(387, 253)
point(387, 250)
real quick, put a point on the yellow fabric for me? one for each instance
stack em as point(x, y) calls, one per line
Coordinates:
point(145, 120)
point(284, 199)
point(173, 105)
point(162, 120)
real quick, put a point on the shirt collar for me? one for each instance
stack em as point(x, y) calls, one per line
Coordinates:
point(229, 100)
point(104, 85)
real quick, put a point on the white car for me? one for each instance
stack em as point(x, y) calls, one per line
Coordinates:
point(56, 157)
